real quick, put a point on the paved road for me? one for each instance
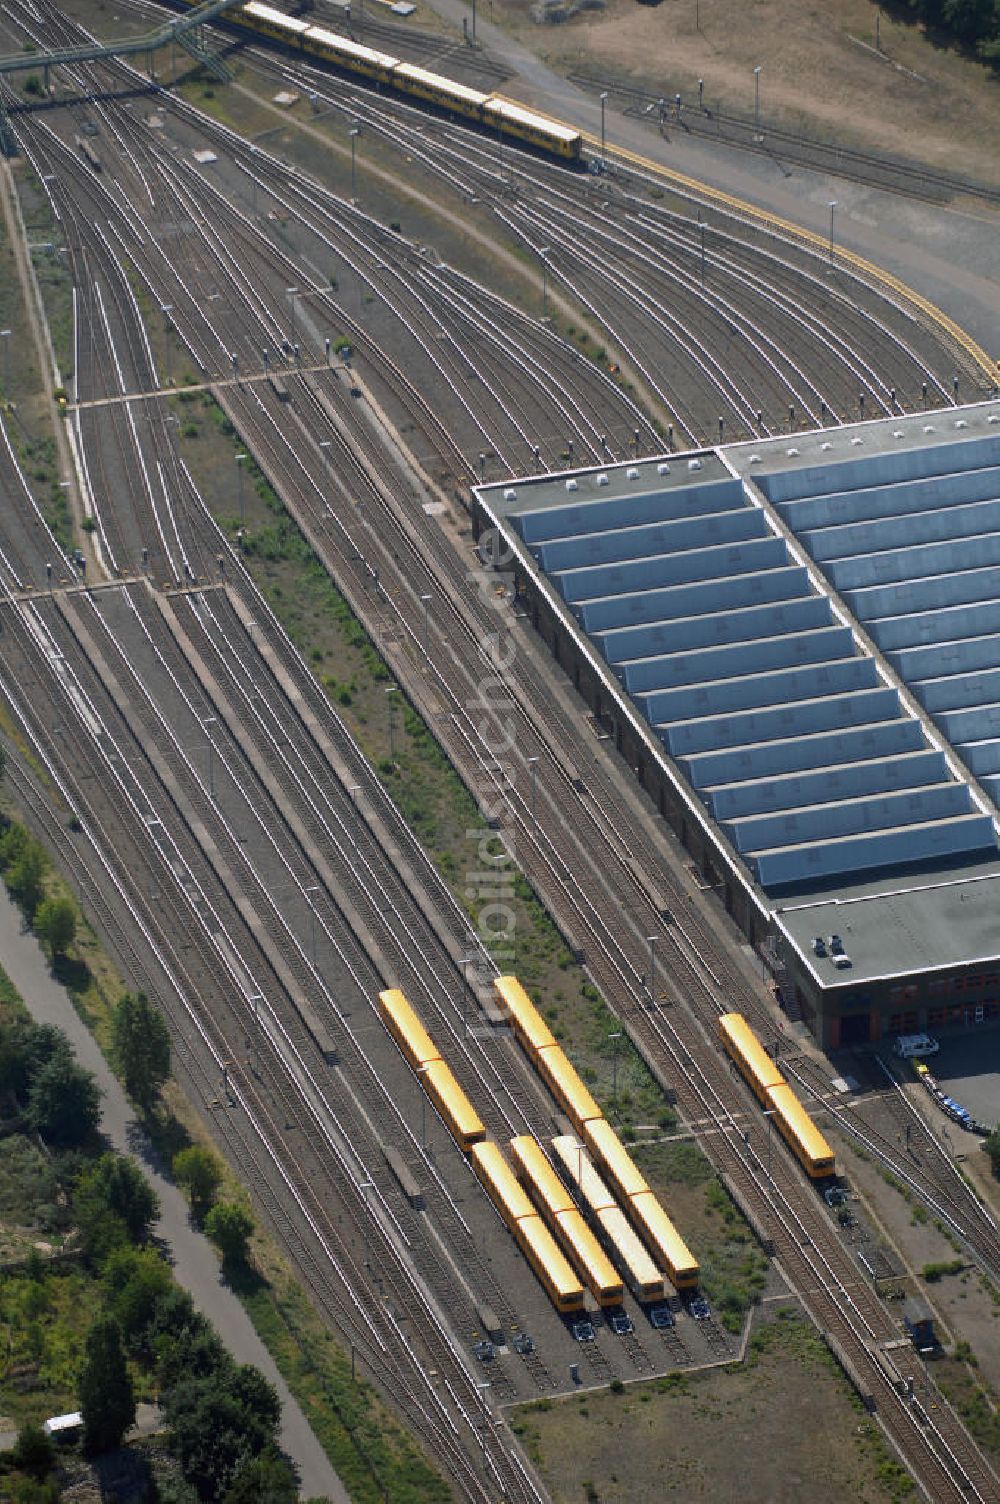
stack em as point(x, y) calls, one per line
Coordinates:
point(949, 255)
point(194, 1261)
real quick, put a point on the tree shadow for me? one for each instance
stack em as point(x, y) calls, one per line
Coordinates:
point(71, 973)
point(243, 1279)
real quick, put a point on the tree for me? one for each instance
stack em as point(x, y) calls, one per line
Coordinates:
point(268, 1479)
point(107, 1400)
point(199, 1172)
point(208, 1433)
point(64, 1101)
point(33, 1450)
point(115, 1184)
point(141, 1044)
point(229, 1226)
point(55, 925)
point(26, 876)
point(137, 1280)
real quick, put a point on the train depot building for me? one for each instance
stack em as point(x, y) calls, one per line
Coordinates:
point(795, 643)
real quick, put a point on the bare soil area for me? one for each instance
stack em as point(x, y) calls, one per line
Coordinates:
point(718, 1435)
point(820, 70)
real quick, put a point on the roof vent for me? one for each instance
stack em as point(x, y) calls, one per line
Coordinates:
point(664, 469)
point(898, 433)
point(632, 473)
point(572, 485)
point(694, 464)
point(826, 444)
point(928, 428)
point(510, 494)
point(993, 418)
point(602, 479)
point(961, 423)
point(755, 459)
point(857, 439)
point(792, 453)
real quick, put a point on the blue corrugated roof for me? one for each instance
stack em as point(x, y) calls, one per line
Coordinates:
point(784, 726)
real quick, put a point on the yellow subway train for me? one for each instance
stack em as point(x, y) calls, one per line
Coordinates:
point(790, 1118)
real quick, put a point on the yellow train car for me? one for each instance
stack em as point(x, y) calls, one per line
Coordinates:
point(403, 1023)
point(538, 1177)
point(744, 1048)
point(511, 119)
point(800, 1133)
point(352, 56)
point(589, 1259)
point(664, 1241)
point(613, 1159)
point(563, 1081)
point(577, 1167)
point(626, 1249)
point(552, 1267)
point(502, 1185)
point(462, 1119)
point(557, 1207)
point(528, 1024)
point(271, 22)
point(440, 91)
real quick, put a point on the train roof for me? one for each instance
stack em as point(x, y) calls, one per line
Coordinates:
point(753, 1054)
point(580, 1172)
point(546, 1252)
point(438, 81)
point(588, 1253)
point(608, 1147)
point(649, 1212)
point(353, 50)
point(508, 110)
point(502, 1183)
point(554, 1062)
point(530, 1159)
point(275, 17)
point(396, 1006)
point(799, 1123)
point(519, 1007)
point(440, 1079)
point(641, 1269)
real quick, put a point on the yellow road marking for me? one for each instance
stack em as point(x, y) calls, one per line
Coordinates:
point(975, 352)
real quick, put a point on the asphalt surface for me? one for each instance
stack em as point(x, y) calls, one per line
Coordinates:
point(951, 256)
point(194, 1261)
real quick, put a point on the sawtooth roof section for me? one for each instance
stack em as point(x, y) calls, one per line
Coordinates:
point(800, 746)
point(911, 540)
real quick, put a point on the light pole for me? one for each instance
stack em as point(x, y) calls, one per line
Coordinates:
point(532, 764)
point(312, 888)
point(355, 133)
point(652, 968)
point(5, 336)
point(614, 1037)
point(208, 721)
point(756, 101)
point(365, 1187)
point(239, 472)
point(833, 205)
point(769, 1114)
point(292, 293)
point(393, 689)
point(422, 1071)
point(544, 254)
point(604, 139)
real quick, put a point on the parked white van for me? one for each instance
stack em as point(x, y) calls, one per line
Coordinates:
point(909, 1045)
